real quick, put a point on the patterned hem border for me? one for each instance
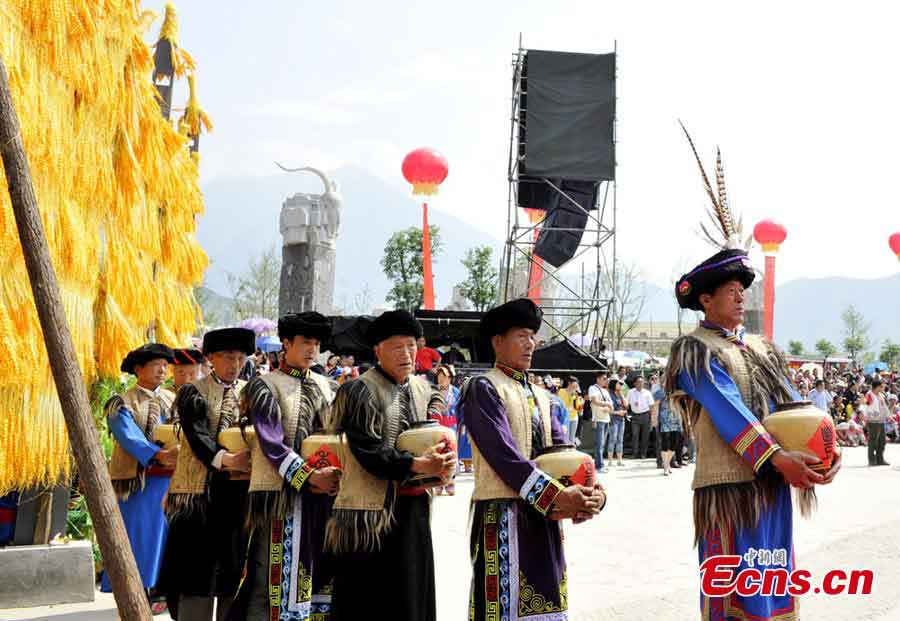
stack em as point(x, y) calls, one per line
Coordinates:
point(276, 555)
point(729, 608)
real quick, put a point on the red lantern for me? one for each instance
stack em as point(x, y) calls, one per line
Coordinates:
point(425, 169)
point(769, 234)
point(894, 243)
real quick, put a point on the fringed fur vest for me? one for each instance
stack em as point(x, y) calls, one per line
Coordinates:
point(728, 494)
point(191, 478)
point(364, 508)
point(126, 473)
point(488, 485)
point(301, 404)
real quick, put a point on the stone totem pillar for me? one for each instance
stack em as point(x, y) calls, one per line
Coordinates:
point(309, 226)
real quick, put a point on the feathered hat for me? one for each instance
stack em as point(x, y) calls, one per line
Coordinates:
point(731, 261)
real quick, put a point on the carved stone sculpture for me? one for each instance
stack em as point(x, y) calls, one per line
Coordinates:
point(310, 224)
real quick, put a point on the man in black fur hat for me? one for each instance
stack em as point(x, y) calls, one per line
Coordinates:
point(290, 498)
point(379, 533)
point(517, 506)
point(207, 502)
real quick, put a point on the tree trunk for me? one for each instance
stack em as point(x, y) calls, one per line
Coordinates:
point(126, 581)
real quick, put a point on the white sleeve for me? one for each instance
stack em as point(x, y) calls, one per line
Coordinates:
point(217, 460)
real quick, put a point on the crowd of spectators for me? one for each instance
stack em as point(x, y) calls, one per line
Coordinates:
point(865, 408)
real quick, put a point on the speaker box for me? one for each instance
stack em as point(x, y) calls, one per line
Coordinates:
point(561, 234)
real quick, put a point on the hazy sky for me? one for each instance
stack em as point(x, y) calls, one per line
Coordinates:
point(802, 97)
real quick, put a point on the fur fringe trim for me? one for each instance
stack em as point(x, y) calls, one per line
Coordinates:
point(124, 488)
point(768, 379)
point(737, 506)
point(265, 506)
point(807, 501)
point(691, 355)
point(184, 505)
point(733, 506)
point(354, 401)
point(351, 530)
point(113, 404)
point(356, 530)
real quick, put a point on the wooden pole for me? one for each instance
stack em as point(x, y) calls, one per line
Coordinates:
point(126, 581)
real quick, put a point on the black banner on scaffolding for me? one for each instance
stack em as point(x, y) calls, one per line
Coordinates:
point(567, 116)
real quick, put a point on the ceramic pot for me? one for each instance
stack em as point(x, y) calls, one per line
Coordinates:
point(800, 426)
point(235, 439)
point(567, 465)
point(420, 437)
point(165, 434)
point(322, 451)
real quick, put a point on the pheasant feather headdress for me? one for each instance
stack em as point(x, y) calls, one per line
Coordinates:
point(723, 231)
point(727, 230)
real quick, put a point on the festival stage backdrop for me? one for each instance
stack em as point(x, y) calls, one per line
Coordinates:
point(118, 193)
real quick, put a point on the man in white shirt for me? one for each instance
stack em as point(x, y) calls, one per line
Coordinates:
point(601, 408)
point(640, 401)
point(876, 410)
point(820, 396)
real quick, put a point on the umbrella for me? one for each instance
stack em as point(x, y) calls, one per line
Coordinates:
point(258, 324)
point(810, 366)
point(268, 343)
point(581, 340)
point(628, 359)
point(639, 355)
point(875, 366)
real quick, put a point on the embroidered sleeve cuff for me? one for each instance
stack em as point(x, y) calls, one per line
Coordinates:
point(295, 471)
point(755, 445)
point(540, 490)
point(217, 460)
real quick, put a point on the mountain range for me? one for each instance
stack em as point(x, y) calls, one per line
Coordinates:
point(241, 221)
point(242, 215)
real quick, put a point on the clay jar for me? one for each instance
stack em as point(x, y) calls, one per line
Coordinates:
point(235, 439)
point(567, 465)
point(420, 437)
point(800, 426)
point(165, 435)
point(322, 450)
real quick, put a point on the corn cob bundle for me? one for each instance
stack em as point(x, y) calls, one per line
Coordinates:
point(118, 194)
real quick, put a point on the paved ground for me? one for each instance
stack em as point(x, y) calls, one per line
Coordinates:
point(636, 561)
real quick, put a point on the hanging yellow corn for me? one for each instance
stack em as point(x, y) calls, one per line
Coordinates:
point(181, 60)
point(194, 117)
point(118, 193)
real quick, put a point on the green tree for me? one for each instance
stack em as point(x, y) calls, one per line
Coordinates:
point(402, 264)
point(795, 348)
point(890, 353)
point(255, 292)
point(480, 288)
point(825, 348)
point(856, 332)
